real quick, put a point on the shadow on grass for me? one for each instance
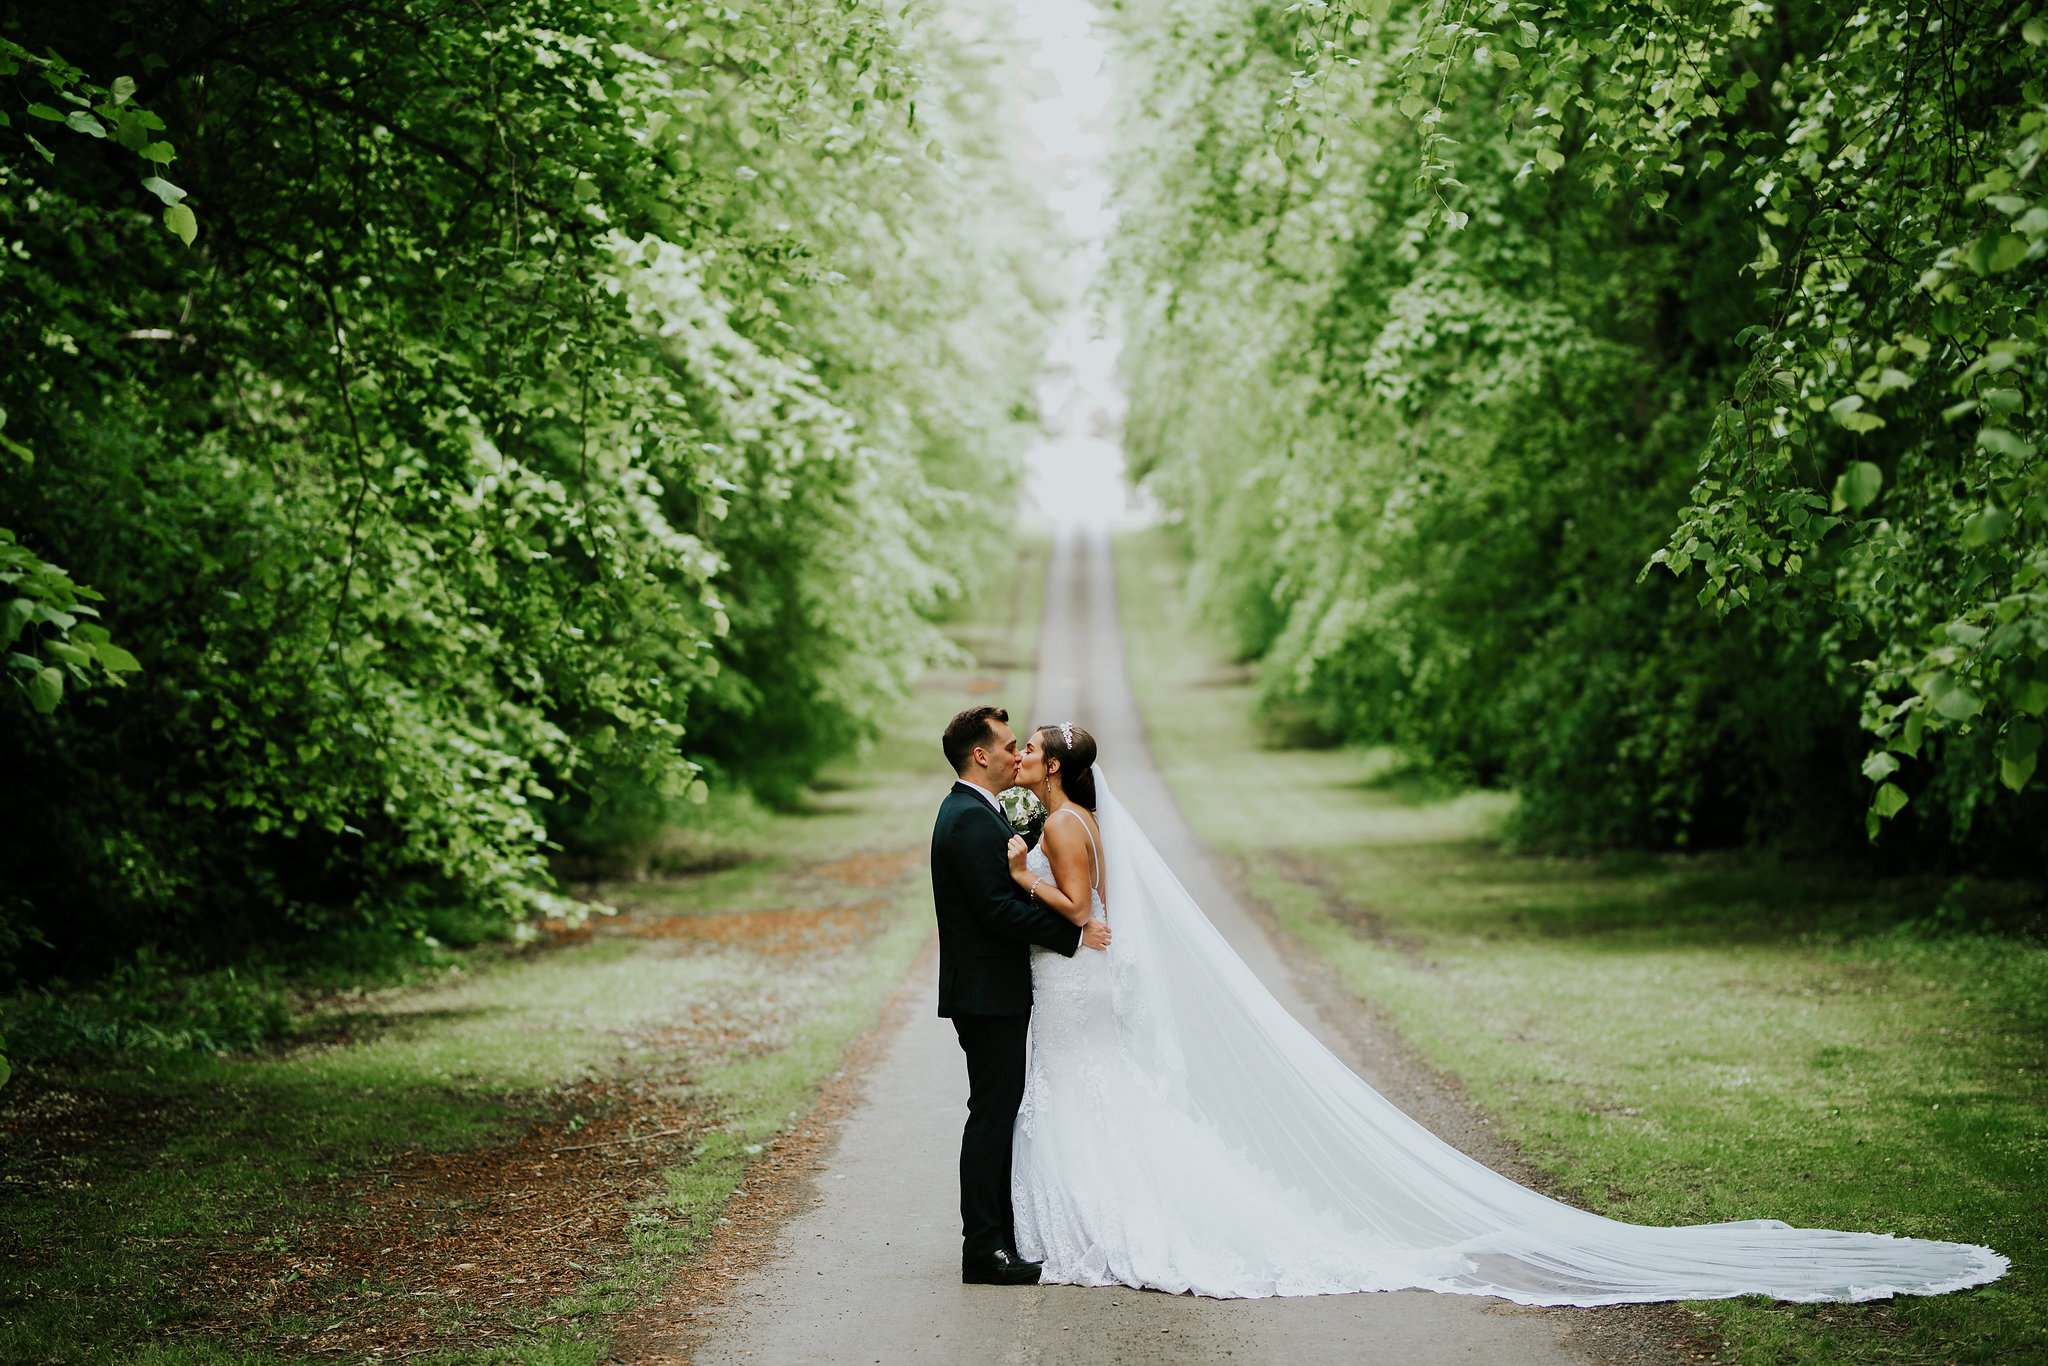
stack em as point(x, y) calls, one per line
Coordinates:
point(1394, 778)
point(1708, 899)
point(1478, 888)
point(364, 1024)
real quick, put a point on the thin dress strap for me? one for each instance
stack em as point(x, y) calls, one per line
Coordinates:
point(1094, 855)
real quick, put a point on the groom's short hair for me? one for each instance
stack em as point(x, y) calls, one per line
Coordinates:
point(968, 729)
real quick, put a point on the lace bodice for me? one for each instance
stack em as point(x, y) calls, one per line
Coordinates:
point(1037, 862)
point(1068, 995)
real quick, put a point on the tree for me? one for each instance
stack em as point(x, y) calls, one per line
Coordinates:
point(1477, 303)
point(529, 406)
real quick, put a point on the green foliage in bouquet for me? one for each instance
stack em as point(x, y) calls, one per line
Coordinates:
point(1450, 318)
point(1025, 813)
point(510, 418)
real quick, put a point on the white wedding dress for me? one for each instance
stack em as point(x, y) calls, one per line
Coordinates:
point(1180, 1131)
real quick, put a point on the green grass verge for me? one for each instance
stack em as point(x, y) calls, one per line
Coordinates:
point(756, 1099)
point(98, 1270)
point(102, 1263)
point(1680, 1039)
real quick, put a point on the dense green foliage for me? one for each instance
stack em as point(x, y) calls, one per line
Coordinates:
point(1446, 319)
point(484, 424)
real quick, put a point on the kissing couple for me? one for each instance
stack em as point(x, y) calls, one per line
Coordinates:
point(1143, 1112)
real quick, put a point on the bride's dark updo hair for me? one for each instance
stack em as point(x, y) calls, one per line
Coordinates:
point(1076, 760)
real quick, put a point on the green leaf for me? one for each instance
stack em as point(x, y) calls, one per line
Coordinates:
point(164, 190)
point(1889, 801)
point(1858, 486)
point(2000, 441)
point(78, 121)
point(46, 690)
point(43, 111)
point(1549, 160)
point(1907, 741)
point(117, 660)
point(1880, 766)
point(1996, 252)
point(14, 619)
point(2032, 698)
point(123, 89)
point(160, 153)
point(178, 218)
point(1958, 704)
point(2035, 32)
point(2015, 772)
point(2021, 739)
point(69, 653)
point(1986, 527)
point(1849, 412)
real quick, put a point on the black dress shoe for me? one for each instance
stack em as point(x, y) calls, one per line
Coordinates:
point(998, 1268)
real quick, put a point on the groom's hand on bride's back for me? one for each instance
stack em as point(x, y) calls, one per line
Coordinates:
point(1095, 934)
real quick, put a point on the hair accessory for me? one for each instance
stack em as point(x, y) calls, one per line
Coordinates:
point(1067, 733)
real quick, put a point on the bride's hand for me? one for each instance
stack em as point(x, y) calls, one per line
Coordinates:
point(1018, 852)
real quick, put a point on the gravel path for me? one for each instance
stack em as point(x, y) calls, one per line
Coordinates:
point(866, 1269)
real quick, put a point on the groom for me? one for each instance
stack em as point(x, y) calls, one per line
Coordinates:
point(985, 928)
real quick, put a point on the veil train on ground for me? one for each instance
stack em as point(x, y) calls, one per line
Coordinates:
point(1205, 1040)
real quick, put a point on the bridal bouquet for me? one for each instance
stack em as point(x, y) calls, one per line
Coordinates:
point(1025, 812)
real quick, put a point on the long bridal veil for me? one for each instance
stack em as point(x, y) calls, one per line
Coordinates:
point(1209, 1041)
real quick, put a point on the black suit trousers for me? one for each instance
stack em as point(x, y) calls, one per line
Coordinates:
point(994, 1045)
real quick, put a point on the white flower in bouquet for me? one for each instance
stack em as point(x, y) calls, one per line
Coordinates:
point(1024, 810)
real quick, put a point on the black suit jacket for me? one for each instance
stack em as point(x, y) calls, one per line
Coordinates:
point(985, 924)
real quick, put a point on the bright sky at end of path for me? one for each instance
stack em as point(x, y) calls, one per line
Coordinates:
point(1076, 470)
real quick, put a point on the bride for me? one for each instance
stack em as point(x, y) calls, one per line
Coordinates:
point(1180, 1131)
